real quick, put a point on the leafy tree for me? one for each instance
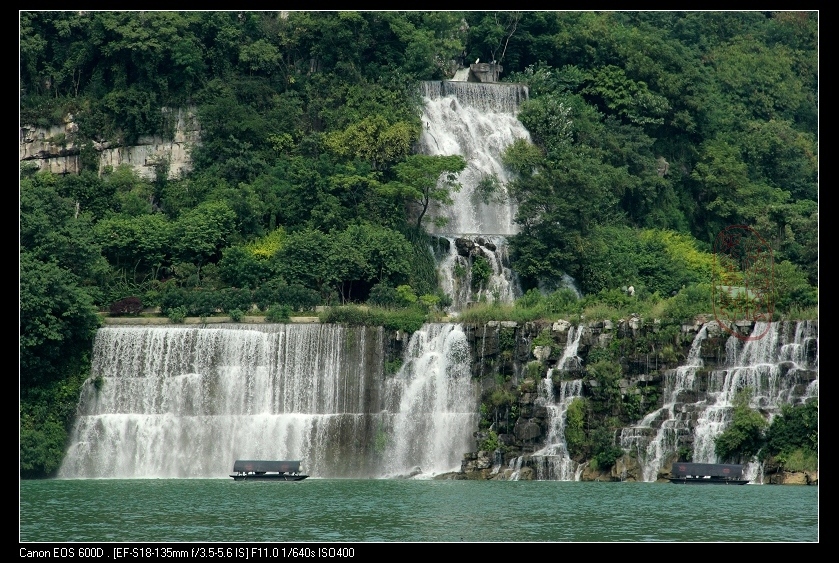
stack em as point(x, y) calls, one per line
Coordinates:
point(744, 436)
point(791, 289)
point(796, 427)
point(575, 436)
point(201, 233)
point(56, 315)
point(481, 271)
point(305, 258)
point(375, 140)
point(629, 99)
point(423, 179)
point(240, 267)
point(139, 245)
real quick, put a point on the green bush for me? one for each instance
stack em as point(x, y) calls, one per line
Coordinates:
point(172, 298)
point(203, 303)
point(797, 427)
point(799, 459)
point(278, 314)
point(490, 443)
point(408, 320)
point(393, 366)
point(481, 271)
point(230, 299)
point(743, 438)
point(689, 302)
point(269, 293)
point(177, 314)
point(382, 295)
point(575, 435)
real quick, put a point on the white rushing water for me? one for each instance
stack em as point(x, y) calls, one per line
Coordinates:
point(437, 404)
point(456, 272)
point(774, 370)
point(188, 401)
point(552, 463)
point(664, 424)
point(477, 121)
point(767, 369)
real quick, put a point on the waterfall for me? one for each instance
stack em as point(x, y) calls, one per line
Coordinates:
point(456, 273)
point(772, 369)
point(437, 404)
point(477, 121)
point(188, 401)
point(652, 452)
point(779, 368)
point(569, 358)
point(552, 463)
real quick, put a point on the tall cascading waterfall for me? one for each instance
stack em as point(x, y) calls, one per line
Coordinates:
point(437, 404)
point(477, 121)
point(776, 369)
point(186, 402)
point(552, 463)
point(656, 436)
point(773, 370)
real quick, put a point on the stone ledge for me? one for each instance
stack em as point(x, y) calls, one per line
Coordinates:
point(128, 321)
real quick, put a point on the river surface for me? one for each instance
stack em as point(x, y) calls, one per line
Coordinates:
point(349, 510)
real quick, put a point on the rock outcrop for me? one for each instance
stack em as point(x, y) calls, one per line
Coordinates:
point(58, 149)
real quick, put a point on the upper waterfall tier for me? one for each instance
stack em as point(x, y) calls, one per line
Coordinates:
point(495, 97)
point(478, 122)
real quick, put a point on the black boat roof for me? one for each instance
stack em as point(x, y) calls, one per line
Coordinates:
point(265, 466)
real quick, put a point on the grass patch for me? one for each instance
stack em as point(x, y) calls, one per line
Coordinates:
point(409, 320)
point(798, 460)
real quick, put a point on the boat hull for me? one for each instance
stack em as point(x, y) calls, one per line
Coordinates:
point(709, 481)
point(269, 477)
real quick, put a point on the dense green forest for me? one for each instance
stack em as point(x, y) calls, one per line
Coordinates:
point(652, 132)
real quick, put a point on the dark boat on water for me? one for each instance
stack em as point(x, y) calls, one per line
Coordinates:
point(263, 470)
point(707, 474)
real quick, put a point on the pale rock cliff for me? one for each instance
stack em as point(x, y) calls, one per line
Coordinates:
point(56, 150)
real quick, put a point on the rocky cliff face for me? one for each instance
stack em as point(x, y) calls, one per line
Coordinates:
point(57, 149)
point(669, 391)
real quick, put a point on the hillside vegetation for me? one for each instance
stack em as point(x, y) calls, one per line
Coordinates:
point(652, 131)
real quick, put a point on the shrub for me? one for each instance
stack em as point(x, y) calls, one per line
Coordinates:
point(688, 303)
point(231, 298)
point(744, 436)
point(798, 460)
point(203, 303)
point(177, 314)
point(481, 271)
point(383, 296)
point(268, 294)
point(278, 314)
point(299, 298)
point(173, 297)
point(128, 306)
point(797, 427)
point(408, 320)
point(393, 366)
point(490, 443)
